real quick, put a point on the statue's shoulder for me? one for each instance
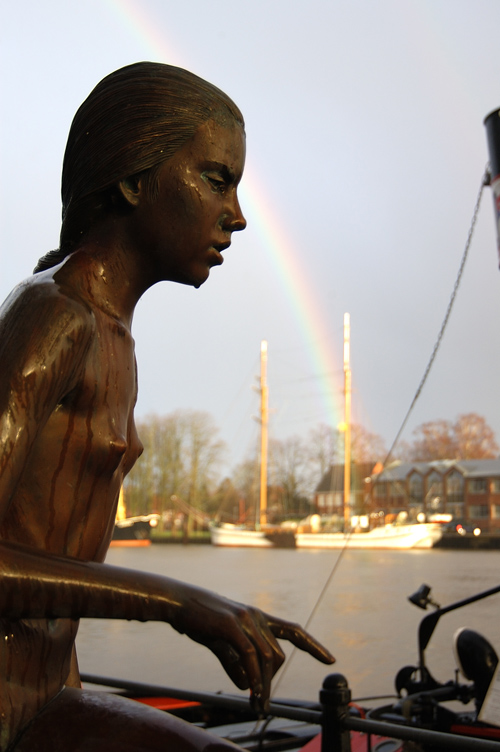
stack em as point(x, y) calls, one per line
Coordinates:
point(42, 309)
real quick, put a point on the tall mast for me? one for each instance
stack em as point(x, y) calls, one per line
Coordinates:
point(347, 418)
point(264, 419)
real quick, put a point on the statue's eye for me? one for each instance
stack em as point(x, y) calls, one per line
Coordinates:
point(217, 182)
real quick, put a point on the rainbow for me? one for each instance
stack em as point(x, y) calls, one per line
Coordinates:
point(137, 21)
point(284, 258)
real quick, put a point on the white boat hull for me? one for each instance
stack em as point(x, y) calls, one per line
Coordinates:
point(423, 535)
point(239, 537)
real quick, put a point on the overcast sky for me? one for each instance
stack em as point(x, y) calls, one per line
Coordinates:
point(366, 149)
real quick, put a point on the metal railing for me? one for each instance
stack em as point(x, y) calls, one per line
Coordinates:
point(332, 713)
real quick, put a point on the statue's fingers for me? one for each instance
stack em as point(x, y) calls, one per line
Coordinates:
point(231, 663)
point(294, 633)
point(269, 653)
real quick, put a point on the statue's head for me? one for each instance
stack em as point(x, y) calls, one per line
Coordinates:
point(134, 120)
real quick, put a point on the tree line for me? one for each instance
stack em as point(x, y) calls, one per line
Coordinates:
point(183, 456)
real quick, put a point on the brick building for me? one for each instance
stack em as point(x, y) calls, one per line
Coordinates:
point(469, 490)
point(329, 494)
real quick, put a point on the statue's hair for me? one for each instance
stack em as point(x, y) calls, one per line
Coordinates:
point(134, 120)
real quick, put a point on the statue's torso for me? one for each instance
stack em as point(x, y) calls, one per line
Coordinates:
point(64, 503)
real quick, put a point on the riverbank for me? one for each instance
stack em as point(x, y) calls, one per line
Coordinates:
point(199, 537)
point(470, 542)
point(454, 541)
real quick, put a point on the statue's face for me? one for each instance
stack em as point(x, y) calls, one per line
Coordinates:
point(183, 232)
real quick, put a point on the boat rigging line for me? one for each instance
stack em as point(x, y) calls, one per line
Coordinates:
point(485, 181)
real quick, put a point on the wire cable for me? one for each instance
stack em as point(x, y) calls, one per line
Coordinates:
point(485, 180)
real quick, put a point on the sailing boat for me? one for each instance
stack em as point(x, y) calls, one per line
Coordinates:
point(402, 536)
point(262, 535)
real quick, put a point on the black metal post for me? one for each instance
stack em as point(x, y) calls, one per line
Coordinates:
point(492, 123)
point(335, 697)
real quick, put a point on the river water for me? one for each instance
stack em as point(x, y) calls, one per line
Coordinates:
point(364, 616)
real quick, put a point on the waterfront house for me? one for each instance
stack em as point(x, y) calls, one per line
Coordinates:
point(329, 494)
point(468, 490)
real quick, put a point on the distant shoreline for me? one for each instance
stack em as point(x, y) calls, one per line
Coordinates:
point(198, 538)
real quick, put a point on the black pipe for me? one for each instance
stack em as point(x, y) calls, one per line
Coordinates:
point(441, 739)
point(231, 702)
point(492, 124)
point(342, 721)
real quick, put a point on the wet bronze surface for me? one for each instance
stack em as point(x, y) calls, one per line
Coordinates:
point(68, 387)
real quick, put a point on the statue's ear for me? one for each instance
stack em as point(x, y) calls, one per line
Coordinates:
point(131, 189)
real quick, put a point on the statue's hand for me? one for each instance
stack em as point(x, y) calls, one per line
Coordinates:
point(244, 639)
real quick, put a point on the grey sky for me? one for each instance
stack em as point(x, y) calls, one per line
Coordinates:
point(365, 153)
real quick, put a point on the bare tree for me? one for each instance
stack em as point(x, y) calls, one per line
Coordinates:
point(469, 438)
point(227, 503)
point(324, 446)
point(246, 480)
point(433, 440)
point(182, 455)
point(202, 456)
point(289, 472)
point(474, 438)
point(366, 446)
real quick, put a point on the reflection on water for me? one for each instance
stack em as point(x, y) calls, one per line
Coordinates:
point(364, 618)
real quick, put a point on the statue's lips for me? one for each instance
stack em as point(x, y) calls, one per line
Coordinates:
point(217, 249)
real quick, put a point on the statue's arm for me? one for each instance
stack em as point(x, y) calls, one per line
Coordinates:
point(244, 639)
